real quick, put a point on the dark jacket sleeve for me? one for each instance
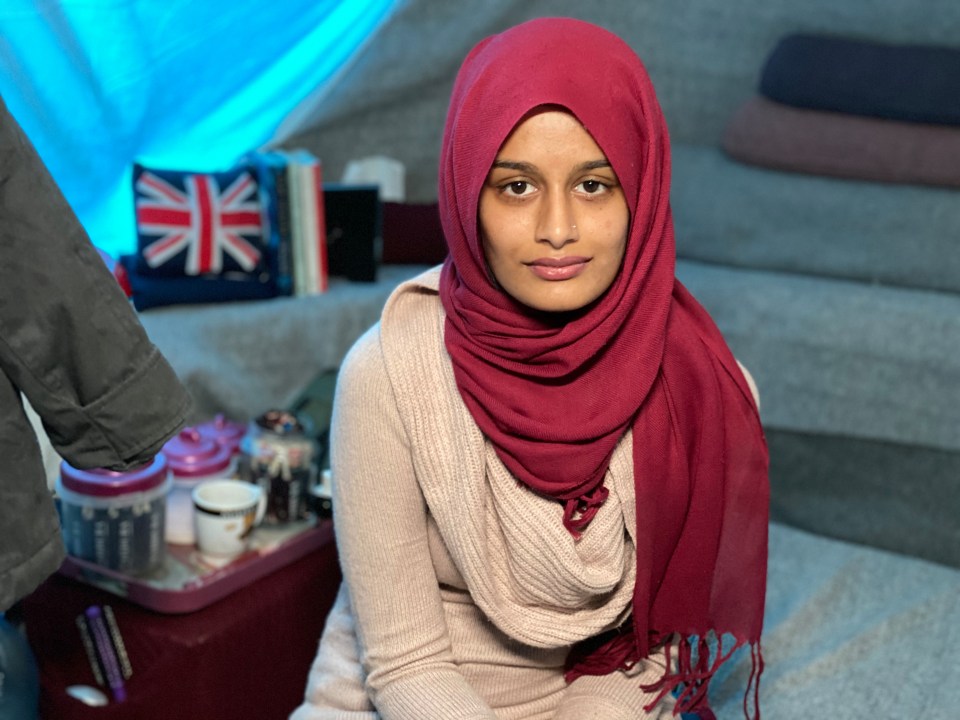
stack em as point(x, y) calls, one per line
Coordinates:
point(71, 343)
point(69, 339)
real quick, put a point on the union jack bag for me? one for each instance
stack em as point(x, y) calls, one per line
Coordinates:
point(200, 224)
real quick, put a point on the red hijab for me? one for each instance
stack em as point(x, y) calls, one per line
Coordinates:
point(555, 399)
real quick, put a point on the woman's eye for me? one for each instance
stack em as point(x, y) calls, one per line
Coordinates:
point(518, 187)
point(592, 187)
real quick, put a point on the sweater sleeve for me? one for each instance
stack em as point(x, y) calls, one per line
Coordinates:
point(618, 695)
point(381, 524)
point(69, 339)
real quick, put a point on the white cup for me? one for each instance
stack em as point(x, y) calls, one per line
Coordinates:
point(226, 512)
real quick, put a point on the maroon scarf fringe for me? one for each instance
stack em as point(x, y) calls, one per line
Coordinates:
point(695, 669)
point(689, 681)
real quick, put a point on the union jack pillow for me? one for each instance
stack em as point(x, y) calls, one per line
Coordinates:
point(199, 224)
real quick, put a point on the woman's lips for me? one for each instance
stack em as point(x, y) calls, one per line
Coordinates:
point(563, 268)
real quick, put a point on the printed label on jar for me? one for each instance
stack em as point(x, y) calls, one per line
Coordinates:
point(128, 539)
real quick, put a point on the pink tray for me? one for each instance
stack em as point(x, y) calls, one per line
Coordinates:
point(186, 583)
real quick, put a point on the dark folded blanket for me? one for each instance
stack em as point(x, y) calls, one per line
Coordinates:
point(899, 82)
point(771, 134)
point(149, 291)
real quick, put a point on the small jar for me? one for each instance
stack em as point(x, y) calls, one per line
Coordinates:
point(193, 458)
point(115, 519)
point(279, 455)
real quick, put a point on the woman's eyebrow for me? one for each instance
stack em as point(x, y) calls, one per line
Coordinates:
point(513, 165)
point(594, 165)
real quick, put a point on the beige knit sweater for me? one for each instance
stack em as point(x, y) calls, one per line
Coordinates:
point(462, 590)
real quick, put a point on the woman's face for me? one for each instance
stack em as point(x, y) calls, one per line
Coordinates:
point(553, 217)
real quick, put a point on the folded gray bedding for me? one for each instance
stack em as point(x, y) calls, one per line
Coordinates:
point(744, 216)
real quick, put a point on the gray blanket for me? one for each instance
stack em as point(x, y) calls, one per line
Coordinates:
point(852, 633)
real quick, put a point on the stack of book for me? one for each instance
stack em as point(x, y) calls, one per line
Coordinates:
point(292, 198)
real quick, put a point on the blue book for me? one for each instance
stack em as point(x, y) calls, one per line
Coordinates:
point(275, 199)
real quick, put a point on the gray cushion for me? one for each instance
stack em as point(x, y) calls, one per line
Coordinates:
point(746, 216)
point(904, 498)
point(838, 357)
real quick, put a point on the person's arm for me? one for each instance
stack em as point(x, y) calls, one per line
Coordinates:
point(381, 523)
point(617, 695)
point(69, 339)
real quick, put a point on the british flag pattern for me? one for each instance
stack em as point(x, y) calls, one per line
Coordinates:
point(199, 223)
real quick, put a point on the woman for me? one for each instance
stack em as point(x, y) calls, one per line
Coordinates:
point(550, 475)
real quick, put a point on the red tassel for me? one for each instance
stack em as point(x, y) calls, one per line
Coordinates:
point(756, 670)
point(691, 679)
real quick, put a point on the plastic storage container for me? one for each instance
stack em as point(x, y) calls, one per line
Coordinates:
point(115, 519)
point(192, 458)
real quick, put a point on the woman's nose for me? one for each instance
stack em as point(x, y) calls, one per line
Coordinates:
point(557, 223)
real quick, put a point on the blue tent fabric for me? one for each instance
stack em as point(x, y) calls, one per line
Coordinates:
point(100, 84)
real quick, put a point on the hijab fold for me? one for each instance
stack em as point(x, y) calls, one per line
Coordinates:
point(555, 399)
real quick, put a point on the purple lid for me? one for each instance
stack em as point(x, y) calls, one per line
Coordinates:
point(110, 483)
point(223, 431)
point(190, 454)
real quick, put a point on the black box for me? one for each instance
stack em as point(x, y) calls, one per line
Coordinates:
point(354, 231)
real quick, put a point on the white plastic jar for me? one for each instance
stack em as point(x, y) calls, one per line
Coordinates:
point(115, 519)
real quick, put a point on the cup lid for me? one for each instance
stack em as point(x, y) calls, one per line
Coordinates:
point(223, 431)
point(109, 483)
point(190, 454)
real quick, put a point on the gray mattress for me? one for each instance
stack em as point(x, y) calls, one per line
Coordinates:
point(852, 633)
